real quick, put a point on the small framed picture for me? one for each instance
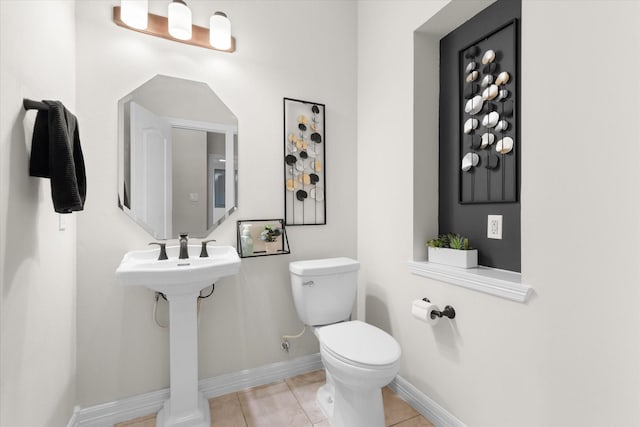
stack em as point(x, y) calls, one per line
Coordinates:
point(261, 237)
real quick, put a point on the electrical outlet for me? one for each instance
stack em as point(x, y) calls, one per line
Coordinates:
point(494, 227)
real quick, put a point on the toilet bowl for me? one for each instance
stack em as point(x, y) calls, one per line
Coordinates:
point(359, 358)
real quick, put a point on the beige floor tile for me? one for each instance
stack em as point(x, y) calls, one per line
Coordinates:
point(288, 404)
point(306, 379)
point(272, 405)
point(395, 409)
point(306, 396)
point(418, 421)
point(146, 421)
point(304, 388)
point(264, 390)
point(226, 411)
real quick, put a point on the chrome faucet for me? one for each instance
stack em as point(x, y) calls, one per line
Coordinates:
point(184, 248)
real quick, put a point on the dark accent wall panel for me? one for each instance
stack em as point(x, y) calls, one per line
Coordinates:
point(464, 218)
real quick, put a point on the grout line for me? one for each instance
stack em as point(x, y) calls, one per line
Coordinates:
point(298, 402)
point(404, 421)
point(244, 417)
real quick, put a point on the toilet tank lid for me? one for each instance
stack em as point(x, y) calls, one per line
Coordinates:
point(319, 267)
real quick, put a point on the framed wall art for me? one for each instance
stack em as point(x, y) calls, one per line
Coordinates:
point(488, 125)
point(304, 163)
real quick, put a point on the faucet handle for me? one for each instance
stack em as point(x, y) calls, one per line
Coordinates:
point(203, 252)
point(163, 250)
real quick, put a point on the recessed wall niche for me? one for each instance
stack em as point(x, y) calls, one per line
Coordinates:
point(487, 181)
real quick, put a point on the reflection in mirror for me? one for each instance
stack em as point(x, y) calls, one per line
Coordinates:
point(178, 157)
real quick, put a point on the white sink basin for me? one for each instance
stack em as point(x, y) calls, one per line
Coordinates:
point(177, 276)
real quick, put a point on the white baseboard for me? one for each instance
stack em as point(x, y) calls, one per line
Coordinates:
point(236, 381)
point(73, 421)
point(108, 414)
point(422, 403)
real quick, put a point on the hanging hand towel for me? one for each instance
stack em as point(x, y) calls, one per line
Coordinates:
point(56, 154)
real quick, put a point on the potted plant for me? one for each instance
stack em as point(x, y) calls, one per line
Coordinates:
point(271, 238)
point(452, 249)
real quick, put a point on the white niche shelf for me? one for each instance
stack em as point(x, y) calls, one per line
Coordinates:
point(501, 283)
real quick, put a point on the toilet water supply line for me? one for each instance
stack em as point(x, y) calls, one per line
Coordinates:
point(160, 294)
point(285, 339)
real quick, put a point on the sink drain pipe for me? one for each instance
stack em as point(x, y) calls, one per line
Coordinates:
point(164, 297)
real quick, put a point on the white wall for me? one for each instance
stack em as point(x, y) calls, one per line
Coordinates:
point(37, 262)
point(569, 356)
point(304, 50)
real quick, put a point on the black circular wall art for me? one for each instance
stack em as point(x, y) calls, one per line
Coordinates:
point(304, 163)
point(488, 120)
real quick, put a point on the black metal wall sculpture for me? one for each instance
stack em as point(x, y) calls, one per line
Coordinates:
point(488, 118)
point(304, 167)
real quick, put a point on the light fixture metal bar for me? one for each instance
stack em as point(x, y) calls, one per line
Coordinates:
point(158, 26)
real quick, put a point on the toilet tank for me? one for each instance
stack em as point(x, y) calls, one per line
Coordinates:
point(324, 290)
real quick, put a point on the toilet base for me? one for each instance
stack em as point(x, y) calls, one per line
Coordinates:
point(357, 408)
point(347, 407)
point(324, 399)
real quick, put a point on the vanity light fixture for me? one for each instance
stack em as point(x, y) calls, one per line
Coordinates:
point(220, 31)
point(133, 15)
point(179, 20)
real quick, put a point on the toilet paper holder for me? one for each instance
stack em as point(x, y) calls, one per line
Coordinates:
point(448, 311)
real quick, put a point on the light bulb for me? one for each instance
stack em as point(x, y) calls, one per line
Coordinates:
point(179, 20)
point(134, 13)
point(220, 31)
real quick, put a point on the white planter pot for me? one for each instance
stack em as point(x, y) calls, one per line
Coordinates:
point(454, 257)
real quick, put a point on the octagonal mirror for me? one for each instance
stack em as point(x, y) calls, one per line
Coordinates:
point(178, 158)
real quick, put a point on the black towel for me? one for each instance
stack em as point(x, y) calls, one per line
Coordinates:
point(56, 154)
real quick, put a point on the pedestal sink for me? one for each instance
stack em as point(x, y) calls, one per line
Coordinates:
point(181, 280)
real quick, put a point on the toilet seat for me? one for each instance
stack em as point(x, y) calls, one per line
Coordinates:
point(359, 344)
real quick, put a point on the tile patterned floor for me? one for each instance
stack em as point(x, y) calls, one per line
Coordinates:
point(289, 403)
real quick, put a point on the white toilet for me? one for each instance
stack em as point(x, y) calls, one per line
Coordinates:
point(359, 358)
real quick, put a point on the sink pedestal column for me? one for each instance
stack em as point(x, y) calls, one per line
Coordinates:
point(186, 407)
point(181, 280)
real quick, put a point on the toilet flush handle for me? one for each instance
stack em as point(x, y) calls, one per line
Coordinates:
point(308, 283)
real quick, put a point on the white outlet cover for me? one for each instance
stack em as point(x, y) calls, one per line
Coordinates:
point(494, 227)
